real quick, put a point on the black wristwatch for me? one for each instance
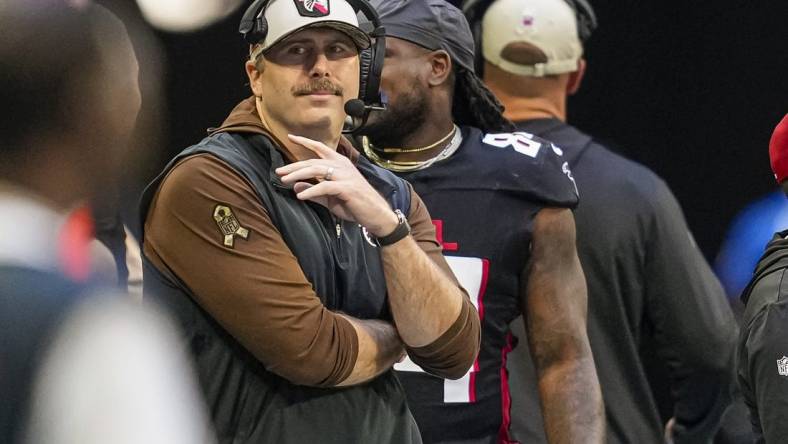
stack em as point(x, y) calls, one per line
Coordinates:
point(399, 233)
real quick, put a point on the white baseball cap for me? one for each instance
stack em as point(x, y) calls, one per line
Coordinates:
point(549, 25)
point(285, 17)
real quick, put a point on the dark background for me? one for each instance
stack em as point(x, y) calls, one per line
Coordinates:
point(691, 89)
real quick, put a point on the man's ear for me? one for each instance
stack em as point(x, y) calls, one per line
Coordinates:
point(254, 76)
point(440, 64)
point(576, 78)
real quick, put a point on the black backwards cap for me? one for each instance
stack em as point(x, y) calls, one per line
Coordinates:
point(431, 24)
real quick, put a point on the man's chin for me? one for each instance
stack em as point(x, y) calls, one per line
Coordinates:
point(316, 119)
point(319, 109)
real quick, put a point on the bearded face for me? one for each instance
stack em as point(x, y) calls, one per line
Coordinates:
point(404, 115)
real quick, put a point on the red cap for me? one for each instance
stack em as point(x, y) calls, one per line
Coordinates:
point(778, 150)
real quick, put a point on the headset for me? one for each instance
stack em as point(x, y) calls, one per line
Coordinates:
point(474, 11)
point(254, 29)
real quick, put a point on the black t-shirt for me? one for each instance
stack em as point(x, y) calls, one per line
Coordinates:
point(483, 200)
point(647, 283)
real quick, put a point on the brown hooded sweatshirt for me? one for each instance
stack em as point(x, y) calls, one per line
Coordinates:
point(256, 290)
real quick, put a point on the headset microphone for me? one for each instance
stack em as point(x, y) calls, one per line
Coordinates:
point(355, 108)
point(357, 113)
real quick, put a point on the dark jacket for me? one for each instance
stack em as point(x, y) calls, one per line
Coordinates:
point(249, 403)
point(647, 283)
point(763, 344)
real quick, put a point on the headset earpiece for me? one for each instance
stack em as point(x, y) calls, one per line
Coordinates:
point(474, 11)
point(478, 57)
point(253, 25)
point(586, 18)
point(370, 76)
point(365, 67)
point(371, 59)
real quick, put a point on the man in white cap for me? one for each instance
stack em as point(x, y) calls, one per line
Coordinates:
point(647, 280)
point(289, 260)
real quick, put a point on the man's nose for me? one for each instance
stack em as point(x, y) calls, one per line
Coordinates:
point(319, 66)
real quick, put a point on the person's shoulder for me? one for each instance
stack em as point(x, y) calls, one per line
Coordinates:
point(198, 176)
point(622, 174)
point(765, 295)
point(196, 167)
point(512, 150)
point(519, 162)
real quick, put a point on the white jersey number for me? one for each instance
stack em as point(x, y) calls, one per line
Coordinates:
point(522, 142)
point(472, 273)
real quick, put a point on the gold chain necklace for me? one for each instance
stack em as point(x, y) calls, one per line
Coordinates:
point(417, 150)
point(408, 166)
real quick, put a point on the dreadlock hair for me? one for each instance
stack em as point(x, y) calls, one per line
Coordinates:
point(475, 105)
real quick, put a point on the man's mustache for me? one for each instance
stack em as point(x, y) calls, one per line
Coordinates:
point(318, 85)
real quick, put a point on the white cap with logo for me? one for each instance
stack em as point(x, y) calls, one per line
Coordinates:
point(549, 25)
point(285, 17)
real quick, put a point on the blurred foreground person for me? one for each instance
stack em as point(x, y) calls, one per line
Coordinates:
point(115, 373)
point(300, 271)
point(186, 15)
point(763, 343)
point(68, 79)
point(647, 280)
point(501, 203)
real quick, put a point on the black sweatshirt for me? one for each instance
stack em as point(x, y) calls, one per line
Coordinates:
point(763, 344)
point(647, 283)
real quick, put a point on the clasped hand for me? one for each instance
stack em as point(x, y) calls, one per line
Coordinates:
point(341, 188)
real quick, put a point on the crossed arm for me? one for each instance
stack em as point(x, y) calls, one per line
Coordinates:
point(433, 315)
point(554, 303)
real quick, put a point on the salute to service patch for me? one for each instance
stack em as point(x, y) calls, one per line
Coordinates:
point(228, 225)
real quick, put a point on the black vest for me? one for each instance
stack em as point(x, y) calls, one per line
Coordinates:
point(247, 402)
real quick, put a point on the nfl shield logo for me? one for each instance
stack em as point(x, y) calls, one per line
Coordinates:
point(782, 366)
point(313, 8)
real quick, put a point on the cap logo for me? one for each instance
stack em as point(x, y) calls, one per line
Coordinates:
point(313, 8)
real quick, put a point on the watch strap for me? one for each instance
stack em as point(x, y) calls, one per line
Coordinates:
point(399, 233)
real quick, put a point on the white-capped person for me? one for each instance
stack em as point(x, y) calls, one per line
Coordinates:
point(647, 281)
point(301, 272)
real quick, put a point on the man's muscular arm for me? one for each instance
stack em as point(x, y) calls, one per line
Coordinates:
point(554, 301)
